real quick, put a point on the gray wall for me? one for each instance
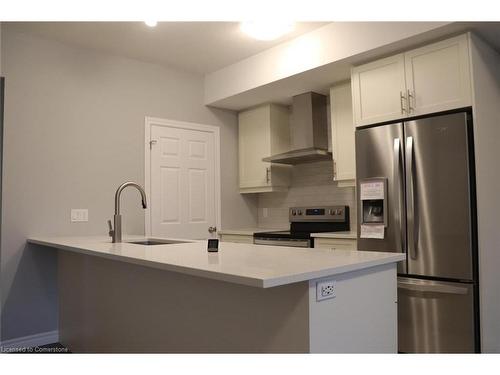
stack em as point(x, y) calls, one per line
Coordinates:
point(74, 130)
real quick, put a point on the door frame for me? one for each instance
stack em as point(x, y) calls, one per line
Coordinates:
point(215, 130)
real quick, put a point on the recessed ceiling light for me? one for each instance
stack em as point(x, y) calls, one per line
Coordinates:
point(266, 30)
point(151, 23)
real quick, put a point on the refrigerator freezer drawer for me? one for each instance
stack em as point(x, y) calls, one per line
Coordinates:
point(435, 317)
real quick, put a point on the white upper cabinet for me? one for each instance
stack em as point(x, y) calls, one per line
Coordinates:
point(377, 90)
point(343, 147)
point(438, 77)
point(263, 131)
point(430, 79)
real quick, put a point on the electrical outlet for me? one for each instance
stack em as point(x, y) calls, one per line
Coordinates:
point(79, 215)
point(325, 290)
point(265, 212)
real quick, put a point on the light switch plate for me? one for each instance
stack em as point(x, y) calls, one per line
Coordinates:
point(325, 289)
point(79, 215)
point(265, 212)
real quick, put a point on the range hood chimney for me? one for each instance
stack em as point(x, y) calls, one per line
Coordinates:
point(308, 131)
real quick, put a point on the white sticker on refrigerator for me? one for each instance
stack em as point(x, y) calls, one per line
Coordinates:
point(372, 231)
point(372, 190)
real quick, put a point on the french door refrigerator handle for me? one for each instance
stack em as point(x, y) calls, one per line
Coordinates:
point(398, 186)
point(432, 288)
point(410, 196)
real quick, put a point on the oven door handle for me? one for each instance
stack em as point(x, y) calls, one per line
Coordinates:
point(284, 242)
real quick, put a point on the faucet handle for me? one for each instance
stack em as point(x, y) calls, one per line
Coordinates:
point(111, 231)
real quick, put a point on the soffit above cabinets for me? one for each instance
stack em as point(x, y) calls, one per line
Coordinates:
point(264, 82)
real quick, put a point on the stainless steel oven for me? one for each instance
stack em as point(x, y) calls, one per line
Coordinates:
point(303, 222)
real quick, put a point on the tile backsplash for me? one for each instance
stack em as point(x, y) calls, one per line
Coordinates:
point(311, 184)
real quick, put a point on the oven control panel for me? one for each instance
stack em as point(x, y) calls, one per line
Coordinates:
point(326, 213)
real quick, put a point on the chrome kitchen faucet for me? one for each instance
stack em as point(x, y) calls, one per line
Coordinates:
point(116, 233)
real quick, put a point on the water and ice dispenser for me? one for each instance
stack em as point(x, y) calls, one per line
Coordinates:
point(373, 199)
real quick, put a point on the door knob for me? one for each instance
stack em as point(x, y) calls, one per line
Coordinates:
point(212, 229)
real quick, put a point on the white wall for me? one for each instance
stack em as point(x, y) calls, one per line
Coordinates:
point(74, 130)
point(486, 96)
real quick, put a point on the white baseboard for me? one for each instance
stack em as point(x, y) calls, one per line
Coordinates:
point(30, 341)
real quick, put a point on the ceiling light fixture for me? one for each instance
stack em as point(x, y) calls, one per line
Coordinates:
point(266, 30)
point(151, 23)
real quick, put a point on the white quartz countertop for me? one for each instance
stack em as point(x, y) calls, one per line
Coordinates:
point(344, 235)
point(254, 265)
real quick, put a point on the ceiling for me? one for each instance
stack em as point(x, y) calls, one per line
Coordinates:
point(197, 47)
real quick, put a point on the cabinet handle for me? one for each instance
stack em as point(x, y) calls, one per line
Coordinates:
point(334, 170)
point(267, 175)
point(410, 98)
point(402, 99)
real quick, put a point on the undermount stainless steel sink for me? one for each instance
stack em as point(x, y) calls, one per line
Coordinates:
point(156, 242)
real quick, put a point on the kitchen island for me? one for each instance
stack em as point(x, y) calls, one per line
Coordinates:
point(178, 298)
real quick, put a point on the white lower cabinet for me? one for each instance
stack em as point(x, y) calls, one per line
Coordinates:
point(319, 243)
point(335, 243)
point(238, 238)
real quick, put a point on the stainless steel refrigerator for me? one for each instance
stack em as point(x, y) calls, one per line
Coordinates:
point(428, 212)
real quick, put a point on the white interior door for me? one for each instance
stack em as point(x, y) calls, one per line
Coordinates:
point(183, 184)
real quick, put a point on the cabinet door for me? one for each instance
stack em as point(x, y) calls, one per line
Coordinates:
point(254, 144)
point(378, 91)
point(343, 146)
point(438, 76)
point(335, 244)
point(238, 238)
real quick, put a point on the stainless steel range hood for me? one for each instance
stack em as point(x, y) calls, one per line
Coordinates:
point(308, 131)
